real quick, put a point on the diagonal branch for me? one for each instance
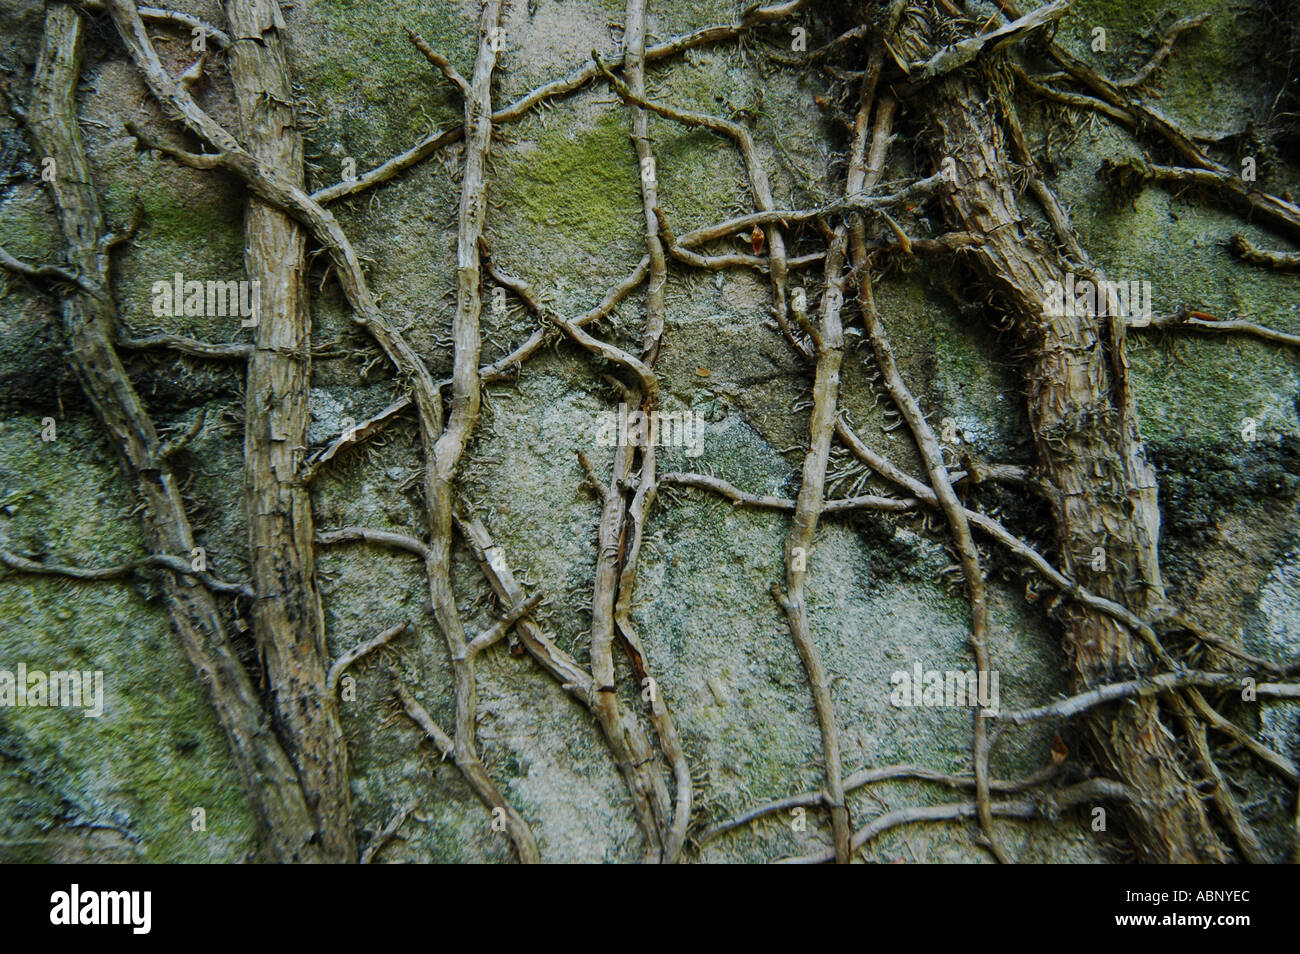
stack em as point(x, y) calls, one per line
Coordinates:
point(51, 273)
point(225, 351)
point(162, 561)
point(1265, 258)
point(1164, 51)
point(1145, 687)
point(863, 179)
point(964, 52)
point(570, 83)
point(866, 777)
point(1049, 807)
point(440, 61)
point(359, 651)
point(479, 783)
point(1203, 323)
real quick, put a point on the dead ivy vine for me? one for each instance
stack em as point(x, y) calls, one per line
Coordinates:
point(1147, 708)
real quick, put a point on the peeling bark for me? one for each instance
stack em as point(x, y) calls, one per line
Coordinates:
point(1144, 716)
point(270, 781)
point(1090, 447)
point(288, 620)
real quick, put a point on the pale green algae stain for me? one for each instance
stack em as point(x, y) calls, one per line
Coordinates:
point(1193, 90)
point(570, 216)
point(566, 193)
point(28, 229)
point(209, 223)
point(374, 94)
point(1195, 388)
point(190, 225)
point(157, 752)
point(575, 191)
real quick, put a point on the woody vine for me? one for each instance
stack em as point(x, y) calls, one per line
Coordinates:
point(1155, 693)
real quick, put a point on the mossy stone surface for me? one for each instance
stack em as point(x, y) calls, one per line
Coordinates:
point(566, 216)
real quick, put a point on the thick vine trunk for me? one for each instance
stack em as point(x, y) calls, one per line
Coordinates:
point(267, 774)
point(288, 621)
point(1088, 444)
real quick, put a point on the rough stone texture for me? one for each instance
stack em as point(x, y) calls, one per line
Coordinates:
point(566, 218)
